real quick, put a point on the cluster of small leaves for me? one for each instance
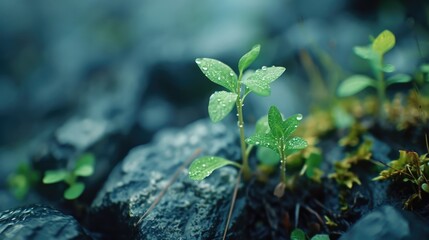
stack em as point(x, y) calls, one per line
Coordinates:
point(407, 111)
point(277, 136)
point(343, 174)
point(221, 103)
point(22, 180)
point(84, 168)
point(373, 53)
point(299, 234)
point(410, 168)
point(354, 136)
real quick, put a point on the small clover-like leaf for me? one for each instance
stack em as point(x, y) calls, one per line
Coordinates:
point(320, 237)
point(265, 140)
point(74, 191)
point(218, 72)
point(291, 124)
point(259, 81)
point(365, 52)
point(267, 156)
point(424, 68)
point(202, 167)
point(296, 143)
point(297, 234)
point(85, 165)
point(221, 104)
point(384, 42)
point(354, 84)
point(425, 187)
point(388, 68)
point(398, 78)
point(248, 58)
point(275, 121)
point(54, 176)
point(313, 162)
point(262, 126)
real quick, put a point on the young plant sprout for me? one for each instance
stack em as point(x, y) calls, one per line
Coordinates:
point(299, 234)
point(84, 168)
point(221, 104)
point(277, 136)
point(410, 168)
point(374, 54)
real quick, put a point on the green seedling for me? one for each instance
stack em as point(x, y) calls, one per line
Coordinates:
point(277, 136)
point(22, 180)
point(84, 168)
point(299, 234)
point(374, 54)
point(410, 168)
point(221, 104)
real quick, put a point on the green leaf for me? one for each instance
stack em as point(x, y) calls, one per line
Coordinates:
point(424, 68)
point(85, 165)
point(384, 42)
point(54, 176)
point(275, 121)
point(221, 104)
point(259, 81)
point(74, 191)
point(291, 124)
point(365, 52)
point(264, 140)
point(297, 234)
point(262, 126)
point(388, 68)
point(296, 143)
point(320, 237)
point(248, 58)
point(354, 84)
point(202, 167)
point(267, 156)
point(313, 162)
point(425, 187)
point(398, 78)
point(218, 72)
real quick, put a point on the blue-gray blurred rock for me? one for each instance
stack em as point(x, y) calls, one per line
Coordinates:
point(189, 209)
point(38, 222)
point(390, 223)
point(101, 125)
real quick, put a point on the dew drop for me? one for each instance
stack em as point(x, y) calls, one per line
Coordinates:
point(231, 74)
point(299, 117)
point(198, 61)
point(264, 68)
point(205, 68)
point(256, 142)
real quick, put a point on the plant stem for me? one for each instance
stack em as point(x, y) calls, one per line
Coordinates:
point(283, 162)
point(244, 155)
point(231, 208)
point(381, 90)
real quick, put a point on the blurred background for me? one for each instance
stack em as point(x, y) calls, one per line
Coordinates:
point(78, 71)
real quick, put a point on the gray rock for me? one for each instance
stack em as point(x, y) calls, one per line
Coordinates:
point(107, 112)
point(189, 209)
point(388, 223)
point(38, 222)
